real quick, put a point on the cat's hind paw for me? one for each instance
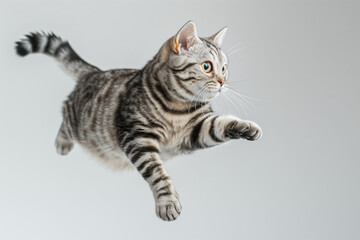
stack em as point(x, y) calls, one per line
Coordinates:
point(63, 146)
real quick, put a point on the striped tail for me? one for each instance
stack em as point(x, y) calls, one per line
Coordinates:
point(54, 46)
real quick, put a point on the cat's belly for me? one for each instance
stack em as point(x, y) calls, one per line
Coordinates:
point(170, 150)
point(115, 158)
point(166, 155)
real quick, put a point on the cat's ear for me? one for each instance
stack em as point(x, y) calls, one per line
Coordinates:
point(185, 38)
point(218, 37)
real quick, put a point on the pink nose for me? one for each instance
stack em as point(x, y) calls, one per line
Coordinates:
point(221, 82)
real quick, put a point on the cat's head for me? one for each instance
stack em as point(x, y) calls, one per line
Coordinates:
point(197, 65)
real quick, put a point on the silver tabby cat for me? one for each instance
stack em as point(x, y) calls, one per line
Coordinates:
point(140, 117)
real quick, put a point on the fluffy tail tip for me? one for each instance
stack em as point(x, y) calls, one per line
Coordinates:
point(21, 49)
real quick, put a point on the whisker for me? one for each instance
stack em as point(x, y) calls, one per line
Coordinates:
point(238, 44)
point(239, 95)
point(242, 105)
point(201, 93)
point(237, 98)
point(204, 99)
point(226, 96)
point(193, 98)
point(236, 83)
point(245, 96)
point(195, 95)
point(235, 51)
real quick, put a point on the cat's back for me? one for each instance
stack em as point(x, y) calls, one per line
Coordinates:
point(100, 84)
point(95, 98)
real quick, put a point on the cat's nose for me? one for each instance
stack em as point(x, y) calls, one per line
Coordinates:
point(221, 81)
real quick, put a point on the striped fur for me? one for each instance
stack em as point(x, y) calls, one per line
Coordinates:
point(140, 117)
point(54, 46)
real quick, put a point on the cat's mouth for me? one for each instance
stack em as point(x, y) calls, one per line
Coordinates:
point(221, 88)
point(213, 93)
point(214, 90)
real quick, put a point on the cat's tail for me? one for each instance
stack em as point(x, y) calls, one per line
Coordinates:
point(52, 45)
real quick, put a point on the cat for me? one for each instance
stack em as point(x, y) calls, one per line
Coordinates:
point(140, 117)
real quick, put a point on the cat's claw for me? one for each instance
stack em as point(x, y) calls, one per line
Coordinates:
point(168, 208)
point(243, 129)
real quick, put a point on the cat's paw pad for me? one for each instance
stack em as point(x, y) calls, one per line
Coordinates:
point(63, 147)
point(243, 129)
point(168, 208)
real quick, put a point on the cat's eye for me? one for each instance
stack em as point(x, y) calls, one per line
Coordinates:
point(223, 69)
point(207, 66)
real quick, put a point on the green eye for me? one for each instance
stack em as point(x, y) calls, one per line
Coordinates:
point(207, 66)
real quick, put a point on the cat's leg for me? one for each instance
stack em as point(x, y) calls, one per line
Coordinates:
point(144, 155)
point(63, 142)
point(213, 130)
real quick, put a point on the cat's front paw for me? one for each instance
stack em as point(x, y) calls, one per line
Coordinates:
point(243, 129)
point(168, 208)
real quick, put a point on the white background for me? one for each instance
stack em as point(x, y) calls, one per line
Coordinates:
point(300, 59)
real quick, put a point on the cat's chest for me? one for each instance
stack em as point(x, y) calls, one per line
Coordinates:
point(175, 135)
point(170, 148)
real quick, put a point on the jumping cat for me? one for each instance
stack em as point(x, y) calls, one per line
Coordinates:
point(140, 117)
